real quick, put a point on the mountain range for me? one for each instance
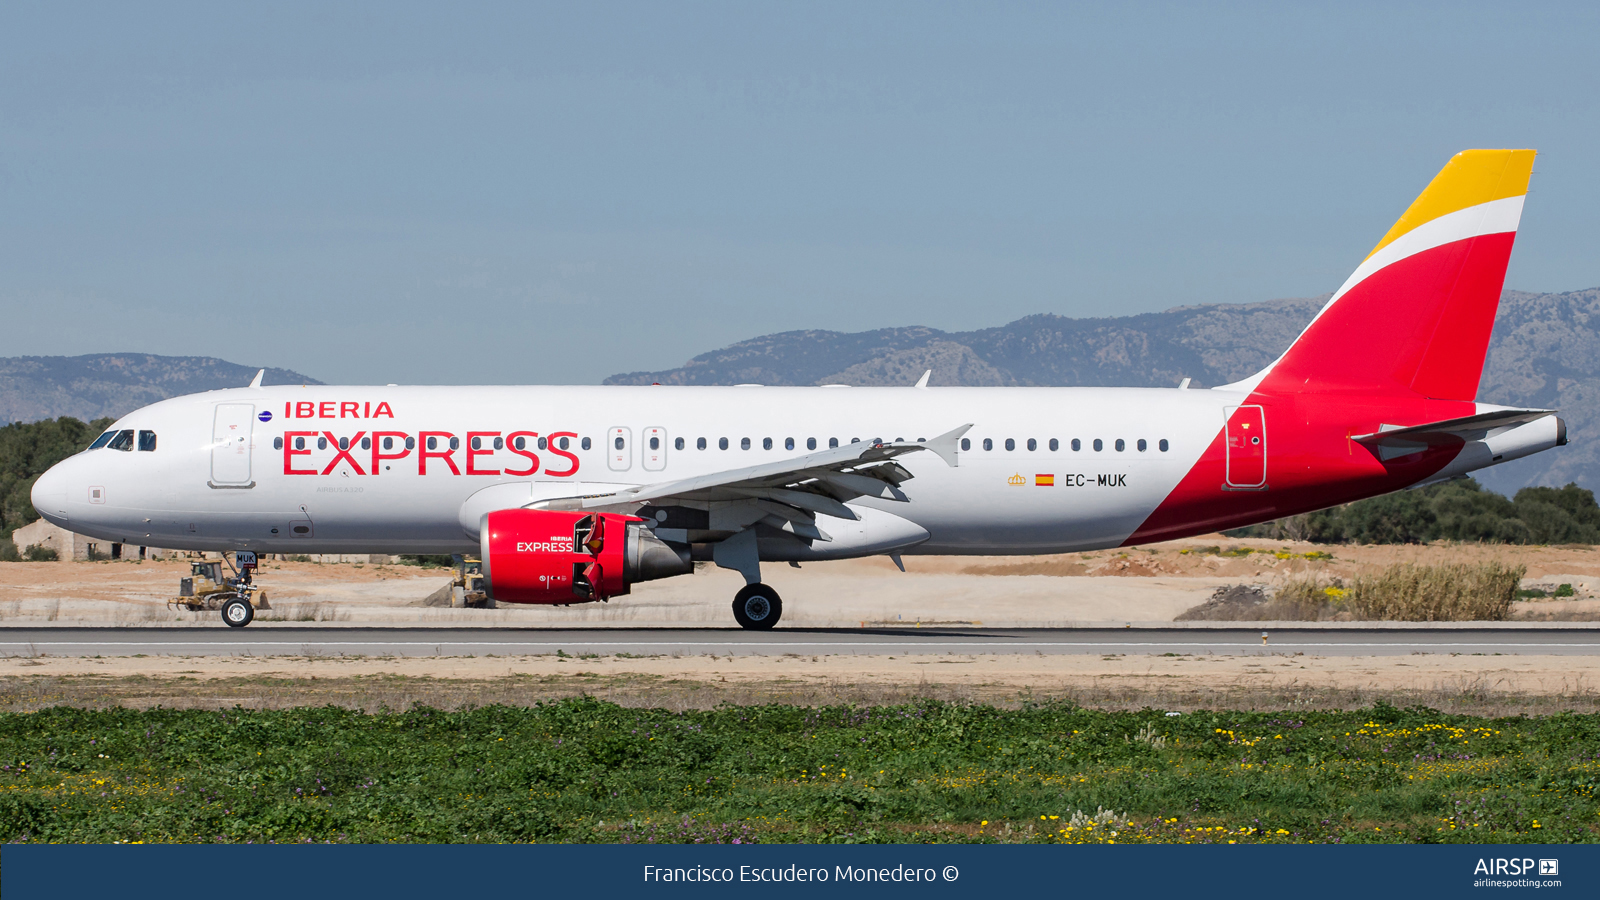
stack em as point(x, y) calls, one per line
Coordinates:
point(1545, 352)
point(111, 384)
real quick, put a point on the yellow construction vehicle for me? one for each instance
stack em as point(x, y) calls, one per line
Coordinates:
point(207, 588)
point(469, 584)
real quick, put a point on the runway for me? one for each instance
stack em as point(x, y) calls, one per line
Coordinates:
point(323, 641)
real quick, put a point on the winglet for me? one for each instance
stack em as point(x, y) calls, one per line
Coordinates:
point(923, 381)
point(256, 381)
point(948, 443)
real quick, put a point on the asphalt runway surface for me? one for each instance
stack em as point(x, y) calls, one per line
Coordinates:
point(426, 642)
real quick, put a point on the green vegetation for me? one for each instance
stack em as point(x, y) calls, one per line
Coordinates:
point(428, 560)
point(1453, 511)
point(583, 770)
point(26, 450)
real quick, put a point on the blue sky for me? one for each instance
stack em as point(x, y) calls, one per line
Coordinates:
point(518, 193)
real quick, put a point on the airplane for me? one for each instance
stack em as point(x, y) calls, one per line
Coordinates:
point(573, 494)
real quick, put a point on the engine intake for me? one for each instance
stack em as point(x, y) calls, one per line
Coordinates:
point(561, 557)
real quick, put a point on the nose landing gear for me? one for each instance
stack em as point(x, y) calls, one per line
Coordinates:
point(757, 607)
point(207, 588)
point(237, 612)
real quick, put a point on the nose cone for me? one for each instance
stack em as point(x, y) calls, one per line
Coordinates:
point(50, 495)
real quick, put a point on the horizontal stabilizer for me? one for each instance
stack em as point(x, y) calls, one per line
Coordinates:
point(1391, 441)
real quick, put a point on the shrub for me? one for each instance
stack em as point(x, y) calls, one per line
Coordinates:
point(1455, 511)
point(428, 561)
point(1447, 593)
point(41, 553)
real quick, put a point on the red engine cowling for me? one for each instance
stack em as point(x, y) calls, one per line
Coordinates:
point(555, 556)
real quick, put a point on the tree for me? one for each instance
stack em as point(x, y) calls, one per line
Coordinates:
point(26, 451)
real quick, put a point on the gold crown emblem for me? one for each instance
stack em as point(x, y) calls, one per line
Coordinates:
point(1017, 479)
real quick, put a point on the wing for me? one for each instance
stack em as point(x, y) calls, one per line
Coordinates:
point(786, 494)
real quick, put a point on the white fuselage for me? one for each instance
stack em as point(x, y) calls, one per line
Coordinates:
point(206, 487)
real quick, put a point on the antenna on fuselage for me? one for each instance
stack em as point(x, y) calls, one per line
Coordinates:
point(923, 381)
point(256, 381)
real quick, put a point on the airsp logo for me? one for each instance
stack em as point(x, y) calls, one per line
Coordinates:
point(1501, 866)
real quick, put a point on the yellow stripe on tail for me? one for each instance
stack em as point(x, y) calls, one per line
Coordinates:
point(1470, 178)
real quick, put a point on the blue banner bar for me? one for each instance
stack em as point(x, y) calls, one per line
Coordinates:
point(300, 872)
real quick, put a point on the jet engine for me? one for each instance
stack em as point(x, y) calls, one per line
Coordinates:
point(561, 557)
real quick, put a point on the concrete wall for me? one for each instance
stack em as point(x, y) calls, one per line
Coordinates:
point(70, 545)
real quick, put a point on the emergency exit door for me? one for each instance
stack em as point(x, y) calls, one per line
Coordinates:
point(1247, 448)
point(230, 445)
point(653, 449)
point(619, 449)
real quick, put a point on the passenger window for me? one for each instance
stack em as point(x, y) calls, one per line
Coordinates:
point(543, 443)
point(520, 443)
point(366, 443)
point(744, 443)
point(1010, 444)
point(277, 443)
point(833, 443)
point(565, 443)
point(1142, 445)
point(655, 443)
point(788, 443)
point(322, 443)
point(722, 443)
point(344, 443)
point(455, 443)
point(766, 443)
point(411, 443)
point(584, 444)
point(147, 440)
point(855, 440)
point(1121, 445)
point(433, 443)
point(677, 444)
point(477, 443)
point(811, 443)
point(617, 443)
point(1033, 444)
point(1163, 445)
point(988, 444)
point(499, 442)
point(123, 441)
point(1098, 445)
point(299, 443)
point(1054, 445)
point(699, 443)
point(102, 440)
point(966, 443)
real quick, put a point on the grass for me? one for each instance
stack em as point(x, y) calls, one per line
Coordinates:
point(585, 770)
point(1398, 593)
point(1446, 593)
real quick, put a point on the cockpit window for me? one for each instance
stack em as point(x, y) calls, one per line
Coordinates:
point(123, 441)
point(147, 440)
point(102, 440)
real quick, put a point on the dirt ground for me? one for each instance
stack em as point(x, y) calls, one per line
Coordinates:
point(1142, 585)
point(1145, 585)
point(1494, 685)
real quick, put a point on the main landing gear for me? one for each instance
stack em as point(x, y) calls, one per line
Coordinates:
point(757, 607)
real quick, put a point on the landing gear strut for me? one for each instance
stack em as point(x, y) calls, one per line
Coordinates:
point(757, 607)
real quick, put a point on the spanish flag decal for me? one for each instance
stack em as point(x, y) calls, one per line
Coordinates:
point(1044, 481)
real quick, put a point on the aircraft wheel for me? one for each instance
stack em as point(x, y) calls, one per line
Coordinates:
point(757, 607)
point(237, 612)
